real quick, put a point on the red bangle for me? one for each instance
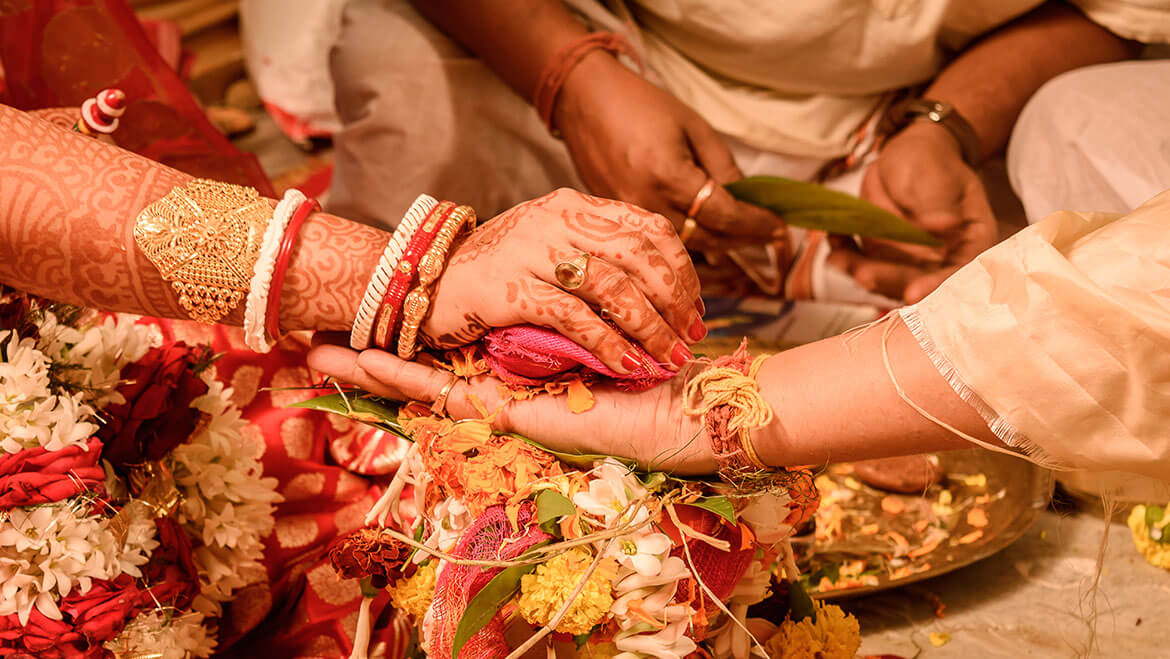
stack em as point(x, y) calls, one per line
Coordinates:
point(387, 316)
point(272, 320)
point(557, 70)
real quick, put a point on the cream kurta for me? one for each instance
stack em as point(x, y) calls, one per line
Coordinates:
point(1060, 337)
point(799, 78)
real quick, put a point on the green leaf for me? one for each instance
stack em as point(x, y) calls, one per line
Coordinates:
point(800, 605)
point(719, 505)
point(1154, 515)
point(364, 409)
point(816, 207)
point(582, 639)
point(486, 603)
point(551, 506)
point(368, 589)
point(578, 460)
point(653, 480)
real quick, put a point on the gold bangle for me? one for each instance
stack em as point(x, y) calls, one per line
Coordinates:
point(204, 239)
point(418, 302)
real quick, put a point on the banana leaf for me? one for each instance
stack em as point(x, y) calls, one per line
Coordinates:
point(816, 207)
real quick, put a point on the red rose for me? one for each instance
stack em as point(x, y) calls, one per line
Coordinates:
point(157, 415)
point(102, 612)
point(89, 620)
point(172, 571)
point(34, 476)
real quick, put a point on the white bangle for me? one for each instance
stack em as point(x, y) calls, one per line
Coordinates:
point(363, 321)
point(255, 312)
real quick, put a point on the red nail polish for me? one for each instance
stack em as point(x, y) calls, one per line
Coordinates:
point(698, 330)
point(700, 307)
point(630, 361)
point(680, 355)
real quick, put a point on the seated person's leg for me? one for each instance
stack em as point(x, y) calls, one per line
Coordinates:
point(1094, 139)
point(419, 114)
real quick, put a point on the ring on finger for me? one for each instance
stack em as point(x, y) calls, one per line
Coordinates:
point(688, 230)
point(701, 198)
point(439, 407)
point(571, 274)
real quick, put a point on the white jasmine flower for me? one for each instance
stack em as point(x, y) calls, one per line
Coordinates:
point(46, 551)
point(764, 515)
point(641, 552)
point(165, 636)
point(670, 642)
point(227, 504)
point(451, 517)
point(648, 594)
point(612, 488)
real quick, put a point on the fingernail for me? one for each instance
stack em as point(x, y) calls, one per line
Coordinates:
point(697, 330)
point(630, 361)
point(700, 307)
point(680, 355)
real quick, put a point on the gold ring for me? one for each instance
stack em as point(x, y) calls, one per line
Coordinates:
point(688, 230)
point(701, 198)
point(439, 407)
point(571, 274)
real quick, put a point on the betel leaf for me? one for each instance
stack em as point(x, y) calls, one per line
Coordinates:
point(800, 605)
point(578, 460)
point(488, 602)
point(551, 506)
point(369, 411)
point(816, 207)
point(719, 505)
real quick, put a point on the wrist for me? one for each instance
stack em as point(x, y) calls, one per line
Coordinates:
point(581, 84)
point(929, 131)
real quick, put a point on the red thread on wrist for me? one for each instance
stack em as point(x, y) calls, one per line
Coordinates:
point(557, 70)
point(272, 319)
point(405, 272)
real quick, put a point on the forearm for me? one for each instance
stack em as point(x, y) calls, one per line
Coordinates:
point(834, 401)
point(990, 82)
point(516, 38)
point(68, 204)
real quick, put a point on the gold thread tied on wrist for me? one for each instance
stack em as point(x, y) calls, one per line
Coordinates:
point(418, 301)
point(204, 239)
point(728, 398)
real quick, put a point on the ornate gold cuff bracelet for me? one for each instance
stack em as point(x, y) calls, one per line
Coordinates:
point(204, 238)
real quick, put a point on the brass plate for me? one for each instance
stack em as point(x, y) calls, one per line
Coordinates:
point(1025, 488)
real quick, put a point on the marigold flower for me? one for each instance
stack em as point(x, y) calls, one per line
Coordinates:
point(368, 552)
point(543, 592)
point(1156, 552)
point(834, 635)
point(414, 595)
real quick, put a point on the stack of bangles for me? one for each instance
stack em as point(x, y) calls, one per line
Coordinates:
point(397, 298)
point(217, 243)
point(727, 397)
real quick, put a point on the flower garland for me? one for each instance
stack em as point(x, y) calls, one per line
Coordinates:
point(131, 500)
point(481, 532)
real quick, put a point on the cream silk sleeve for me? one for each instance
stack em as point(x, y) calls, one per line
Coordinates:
point(1060, 337)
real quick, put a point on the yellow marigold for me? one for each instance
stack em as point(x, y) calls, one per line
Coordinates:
point(1157, 553)
point(835, 635)
point(414, 595)
point(544, 591)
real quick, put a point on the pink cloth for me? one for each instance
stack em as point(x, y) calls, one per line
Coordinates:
point(531, 355)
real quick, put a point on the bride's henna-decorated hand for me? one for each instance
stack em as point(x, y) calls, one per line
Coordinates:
point(639, 273)
point(653, 429)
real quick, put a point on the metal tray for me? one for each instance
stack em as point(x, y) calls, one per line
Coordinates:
point(1026, 491)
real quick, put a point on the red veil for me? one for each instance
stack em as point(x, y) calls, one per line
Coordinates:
point(58, 53)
